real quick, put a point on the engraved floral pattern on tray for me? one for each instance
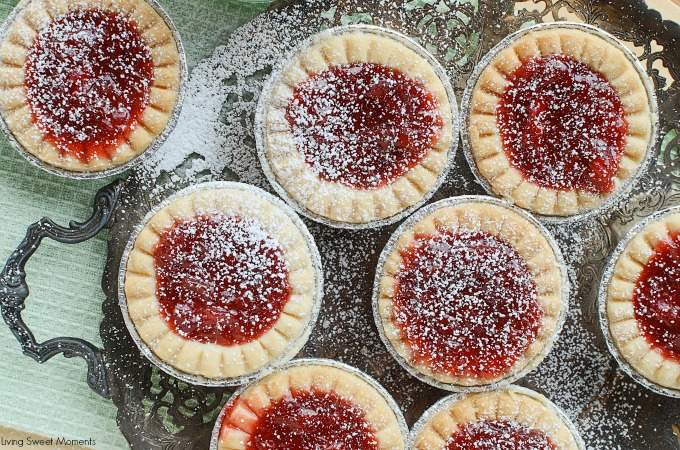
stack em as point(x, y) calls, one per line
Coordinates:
point(157, 411)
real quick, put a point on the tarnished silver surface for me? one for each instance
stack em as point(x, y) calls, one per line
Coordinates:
point(610, 409)
point(602, 306)
point(390, 248)
point(446, 402)
point(403, 427)
point(626, 187)
point(263, 103)
point(155, 144)
point(295, 345)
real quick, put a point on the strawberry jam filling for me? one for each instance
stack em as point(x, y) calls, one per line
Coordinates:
point(656, 298)
point(498, 435)
point(562, 125)
point(363, 125)
point(466, 304)
point(87, 79)
point(220, 279)
point(309, 420)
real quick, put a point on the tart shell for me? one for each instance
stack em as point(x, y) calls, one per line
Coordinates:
point(472, 213)
point(206, 363)
point(617, 317)
point(351, 384)
point(519, 405)
point(165, 95)
point(334, 203)
point(602, 53)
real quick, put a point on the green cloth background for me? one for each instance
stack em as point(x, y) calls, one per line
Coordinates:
point(53, 399)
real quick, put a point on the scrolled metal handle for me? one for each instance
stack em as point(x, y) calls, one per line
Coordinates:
point(14, 287)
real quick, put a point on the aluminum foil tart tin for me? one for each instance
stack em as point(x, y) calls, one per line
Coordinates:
point(155, 144)
point(628, 185)
point(602, 305)
point(294, 346)
point(261, 112)
point(389, 248)
point(447, 401)
point(403, 427)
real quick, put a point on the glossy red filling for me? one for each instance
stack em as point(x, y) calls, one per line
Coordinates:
point(466, 304)
point(87, 78)
point(363, 125)
point(498, 435)
point(656, 298)
point(562, 125)
point(310, 420)
point(220, 279)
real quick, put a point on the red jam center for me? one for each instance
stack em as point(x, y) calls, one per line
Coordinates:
point(88, 78)
point(657, 298)
point(562, 125)
point(498, 435)
point(220, 279)
point(466, 304)
point(312, 420)
point(363, 125)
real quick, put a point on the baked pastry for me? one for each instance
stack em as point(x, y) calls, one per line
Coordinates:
point(510, 419)
point(88, 85)
point(470, 293)
point(559, 120)
point(312, 404)
point(222, 282)
point(357, 126)
point(643, 301)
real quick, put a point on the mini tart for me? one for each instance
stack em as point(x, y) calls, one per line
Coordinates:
point(502, 419)
point(366, 160)
point(643, 302)
point(322, 406)
point(521, 130)
point(96, 108)
point(222, 282)
point(471, 293)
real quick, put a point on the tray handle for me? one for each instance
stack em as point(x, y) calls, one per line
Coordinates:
point(14, 288)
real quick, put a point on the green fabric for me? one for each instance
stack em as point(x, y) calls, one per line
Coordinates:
point(53, 399)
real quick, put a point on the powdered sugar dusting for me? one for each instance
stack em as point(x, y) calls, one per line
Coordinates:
point(214, 138)
point(215, 129)
point(88, 77)
point(562, 124)
point(363, 125)
point(220, 279)
point(466, 304)
point(308, 420)
point(498, 435)
point(657, 298)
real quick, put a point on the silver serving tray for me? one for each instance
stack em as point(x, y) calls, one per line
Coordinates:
point(610, 409)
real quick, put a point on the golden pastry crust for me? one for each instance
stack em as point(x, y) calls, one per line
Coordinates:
point(333, 200)
point(515, 406)
point(31, 18)
point(522, 235)
point(209, 360)
point(620, 309)
point(236, 429)
point(484, 138)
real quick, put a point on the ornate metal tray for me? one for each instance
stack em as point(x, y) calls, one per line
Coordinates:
point(157, 411)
